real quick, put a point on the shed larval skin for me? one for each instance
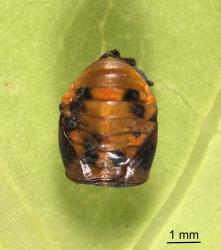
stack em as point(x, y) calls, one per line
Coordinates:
point(108, 125)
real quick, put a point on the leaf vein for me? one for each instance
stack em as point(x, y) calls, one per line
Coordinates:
point(102, 25)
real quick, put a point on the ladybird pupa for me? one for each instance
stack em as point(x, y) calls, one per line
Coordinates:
point(108, 124)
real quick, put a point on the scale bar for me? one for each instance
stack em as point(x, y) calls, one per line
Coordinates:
point(183, 242)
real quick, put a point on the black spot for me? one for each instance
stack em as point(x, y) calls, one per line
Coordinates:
point(83, 93)
point(90, 160)
point(118, 158)
point(131, 95)
point(61, 107)
point(91, 155)
point(136, 134)
point(67, 151)
point(145, 155)
point(71, 123)
point(138, 110)
point(76, 106)
point(112, 53)
point(89, 145)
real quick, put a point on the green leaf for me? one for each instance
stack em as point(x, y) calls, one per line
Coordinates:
point(44, 46)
